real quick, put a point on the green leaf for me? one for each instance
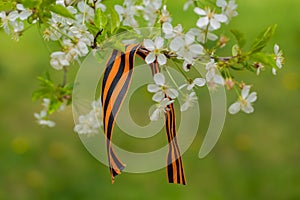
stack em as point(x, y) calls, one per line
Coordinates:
point(265, 59)
point(262, 40)
point(115, 21)
point(61, 10)
point(239, 36)
point(100, 19)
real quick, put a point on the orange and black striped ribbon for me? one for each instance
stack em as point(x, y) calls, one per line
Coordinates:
point(116, 81)
point(175, 171)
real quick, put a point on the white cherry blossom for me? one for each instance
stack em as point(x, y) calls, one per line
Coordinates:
point(209, 18)
point(161, 89)
point(278, 56)
point(25, 13)
point(156, 51)
point(59, 60)
point(170, 31)
point(190, 99)
point(228, 8)
point(90, 123)
point(213, 80)
point(244, 102)
point(160, 109)
point(186, 49)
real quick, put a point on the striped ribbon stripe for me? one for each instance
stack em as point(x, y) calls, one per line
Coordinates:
point(116, 80)
point(115, 84)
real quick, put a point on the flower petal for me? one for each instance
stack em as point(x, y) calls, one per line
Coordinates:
point(185, 106)
point(200, 82)
point(161, 59)
point(167, 28)
point(220, 17)
point(234, 108)
point(199, 11)
point(215, 24)
point(252, 97)
point(172, 93)
point(276, 49)
point(245, 91)
point(149, 44)
point(159, 79)
point(150, 58)
point(196, 49)
point(159, 42)
point(202, 22)
point(176, 44)
point(153, 88)
point(158, 96)
point(155, 115)
point(248, 108)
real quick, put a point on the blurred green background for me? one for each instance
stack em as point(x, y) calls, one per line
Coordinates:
point(257, 156)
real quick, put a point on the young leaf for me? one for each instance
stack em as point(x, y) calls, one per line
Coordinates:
point(100, 19)
point(61, 10)
point(239, 36)
point(262, 40)
point(115, 21)
point(265, 59)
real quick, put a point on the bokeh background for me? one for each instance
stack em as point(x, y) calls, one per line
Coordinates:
point(257, 156)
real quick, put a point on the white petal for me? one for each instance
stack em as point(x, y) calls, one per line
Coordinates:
point(149, 44)
point(220, 17)
point(212, 36)
point(155, 115)
point(278, 63)
point(12, 16)
point(274, 71)
point(190, 86)
point(245, 91)
point(234, 108)
point(172, 93)
point(176, 44)
point(196, 49)
point(184, 106)
point(153, 88)
point(150, 58)
point(252, 97)
point(20, 7)
point(159, 79)
point(189, 39)
point(158, 96)
point(167, 28)
point(276, 49)
point(199, 11)
point(159, 42)
point(25, 14)
point(218, 79)
point(200, 82)
point(161, 59)
point(202, 22)
point(215, 24)
point(248, 108)
point(221, 3)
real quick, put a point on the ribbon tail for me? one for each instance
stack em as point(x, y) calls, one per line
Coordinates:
point(115, 84)
point(175, 170)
